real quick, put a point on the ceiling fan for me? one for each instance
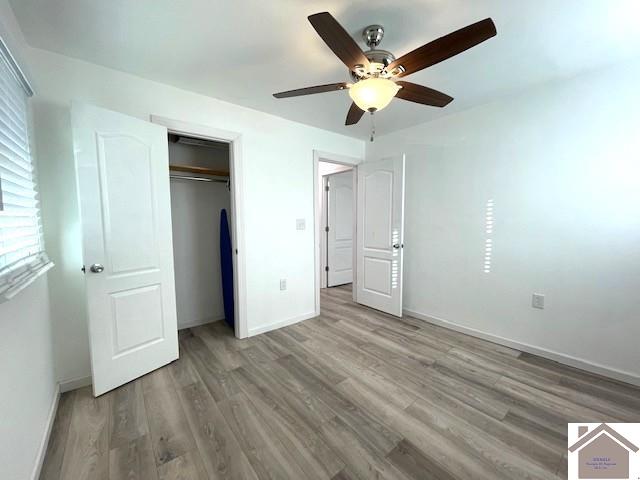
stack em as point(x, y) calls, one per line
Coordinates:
point(376, 72)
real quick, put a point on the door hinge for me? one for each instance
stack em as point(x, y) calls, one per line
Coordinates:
point(326, 188)
point(326, 229)
point(326, 269)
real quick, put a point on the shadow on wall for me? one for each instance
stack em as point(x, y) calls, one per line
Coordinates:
point(63, 239)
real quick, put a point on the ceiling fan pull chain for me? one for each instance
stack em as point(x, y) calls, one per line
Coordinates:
point(373, 127)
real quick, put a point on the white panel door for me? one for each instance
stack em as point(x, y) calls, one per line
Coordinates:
point(340, 234)
point(380, 233)
point(123, 183)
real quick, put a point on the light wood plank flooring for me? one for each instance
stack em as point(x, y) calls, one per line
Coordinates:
point(352, 394)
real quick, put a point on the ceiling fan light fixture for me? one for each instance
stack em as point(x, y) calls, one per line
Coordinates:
point(373, 94)
point(377, 73)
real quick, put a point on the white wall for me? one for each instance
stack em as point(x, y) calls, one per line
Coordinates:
point(278, 189)
point(28, 387)
point(195, 212)
point(561, 163)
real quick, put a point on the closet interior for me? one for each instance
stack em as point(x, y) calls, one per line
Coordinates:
point(200, 192)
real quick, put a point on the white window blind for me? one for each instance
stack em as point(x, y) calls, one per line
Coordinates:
point(22, 256)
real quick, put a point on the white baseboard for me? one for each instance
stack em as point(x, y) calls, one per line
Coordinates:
point(280, 324)
point(198, 323)
point(44, 442)
point(575, 362)
point(74, 384)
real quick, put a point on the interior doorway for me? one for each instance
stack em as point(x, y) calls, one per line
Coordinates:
point(335, 221)
point(377, 229)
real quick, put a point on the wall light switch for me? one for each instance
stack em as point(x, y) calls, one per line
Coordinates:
point(283, 284)
point(300, 224)
point(537, 300)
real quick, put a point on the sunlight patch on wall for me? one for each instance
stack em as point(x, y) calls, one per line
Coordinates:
point(488, 242)
point(395, 240)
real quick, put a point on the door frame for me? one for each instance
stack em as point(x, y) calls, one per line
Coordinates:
point(320, 156)
point(324, 220)
point(236, 178)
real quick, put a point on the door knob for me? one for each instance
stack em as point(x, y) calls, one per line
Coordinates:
point(396, 245)
point(97, 268)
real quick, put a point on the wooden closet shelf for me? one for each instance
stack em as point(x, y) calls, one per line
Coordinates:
point(200, 170)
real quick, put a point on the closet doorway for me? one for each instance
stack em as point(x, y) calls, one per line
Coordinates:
point(204, 171)
point(200, 196)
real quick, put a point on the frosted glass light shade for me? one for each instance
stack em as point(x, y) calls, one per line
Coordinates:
point(373, 93)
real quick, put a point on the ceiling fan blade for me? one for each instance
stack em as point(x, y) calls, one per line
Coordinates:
point(330, 87)
point(338, 40)
point(445, 47)
point(424, 95)
point(354, 114)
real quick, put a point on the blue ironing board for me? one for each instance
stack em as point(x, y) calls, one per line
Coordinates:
point(226, 267)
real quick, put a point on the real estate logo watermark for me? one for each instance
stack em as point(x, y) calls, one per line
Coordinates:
point(603, 450)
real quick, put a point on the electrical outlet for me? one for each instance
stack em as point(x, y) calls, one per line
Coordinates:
point(283, 284)
point(537, 300)
point(300, 224)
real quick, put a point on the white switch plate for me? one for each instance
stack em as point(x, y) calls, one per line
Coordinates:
point(283, 284)
point(300, 224)
point(537, 300)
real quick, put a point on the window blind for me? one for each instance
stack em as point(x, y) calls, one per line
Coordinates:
point(22, 256)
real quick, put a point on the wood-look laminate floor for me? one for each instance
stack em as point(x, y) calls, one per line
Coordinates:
point(352, 394)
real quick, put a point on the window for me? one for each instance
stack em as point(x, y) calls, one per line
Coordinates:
point(22, 256)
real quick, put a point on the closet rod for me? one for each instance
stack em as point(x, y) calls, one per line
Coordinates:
point(200, 179)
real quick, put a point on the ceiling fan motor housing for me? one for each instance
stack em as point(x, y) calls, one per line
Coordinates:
point(379, 58)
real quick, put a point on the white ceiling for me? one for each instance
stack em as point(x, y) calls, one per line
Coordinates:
point(242, 51)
